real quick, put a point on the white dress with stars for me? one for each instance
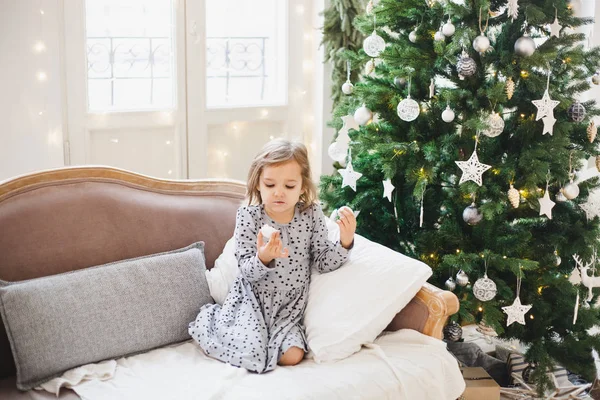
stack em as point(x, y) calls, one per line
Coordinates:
point(261, 317)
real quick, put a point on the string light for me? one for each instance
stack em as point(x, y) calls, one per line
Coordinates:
point(480, 309)
point(531, 316)
point(457, 251)
point(524, 73)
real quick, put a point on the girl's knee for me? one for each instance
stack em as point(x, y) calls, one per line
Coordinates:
point(292, 356)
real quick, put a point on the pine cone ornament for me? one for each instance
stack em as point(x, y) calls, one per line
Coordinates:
point(514, 196)
point(510, 88)
point(592, 130)
point(452, 332)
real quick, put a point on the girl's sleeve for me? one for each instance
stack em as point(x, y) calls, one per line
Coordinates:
point(326, 255)
point(246, 252)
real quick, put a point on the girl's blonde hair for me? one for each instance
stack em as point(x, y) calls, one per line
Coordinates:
point(276, 152)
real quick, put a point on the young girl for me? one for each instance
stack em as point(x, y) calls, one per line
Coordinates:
point(259, 324)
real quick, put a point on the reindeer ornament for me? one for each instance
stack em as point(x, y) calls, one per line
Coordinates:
point(580, 275)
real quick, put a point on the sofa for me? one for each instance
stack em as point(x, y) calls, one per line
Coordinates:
point(72, 218)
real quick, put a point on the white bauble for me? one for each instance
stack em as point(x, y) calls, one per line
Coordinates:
point(439, 36)
point(560, 197)
point(495, 125)
point(448, 29)
point(481, 43)
point(472, 215)
point(571, 190)
point(412, 36)
point(484, 289)
point(448, 114)
point(408, 110)
point(524, 46)
point(373, 45)
point(347, 87)
point(450, 284)
point(363, 115)
point(337, 151)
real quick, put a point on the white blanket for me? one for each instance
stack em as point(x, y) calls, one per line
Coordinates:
point(399, 365)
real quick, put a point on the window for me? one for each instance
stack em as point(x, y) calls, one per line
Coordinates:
point(130, 58)
point(246, 44)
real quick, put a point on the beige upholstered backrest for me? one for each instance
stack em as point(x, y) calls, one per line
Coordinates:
point(72, 218)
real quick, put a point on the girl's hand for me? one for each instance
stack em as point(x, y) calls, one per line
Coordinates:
point(347, 224)
point(267, 252)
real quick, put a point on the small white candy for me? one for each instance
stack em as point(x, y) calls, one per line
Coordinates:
point(267, 231)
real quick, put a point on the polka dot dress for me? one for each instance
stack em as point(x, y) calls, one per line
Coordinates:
point(262, 314)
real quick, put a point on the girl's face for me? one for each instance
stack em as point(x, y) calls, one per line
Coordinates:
point(280, 188)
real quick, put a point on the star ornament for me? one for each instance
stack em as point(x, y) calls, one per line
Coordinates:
point(349, 176)
point(545, 106)
point(472, 169)
point(546, 205)
point(549, 121)
point(555, 28)
point(388, 188)
point(516, 312)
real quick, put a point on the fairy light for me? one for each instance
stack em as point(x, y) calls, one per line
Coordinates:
point(524, 73)
point(457, 251)
point(432, 255)
point(531, 316)
point(480, 309)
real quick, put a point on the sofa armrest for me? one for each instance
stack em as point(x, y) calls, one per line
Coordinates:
point(427, 312)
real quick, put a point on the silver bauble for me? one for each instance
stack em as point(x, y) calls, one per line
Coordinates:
point(557, 259)
point(576, 112)
point(481, 43)
point(452, 332)
point(524, 46)
point(495, 125)
point(337, 151)
point(596, 79)
point(412, 36)
point(462, 278)
point(571, 190)
point(484, 288)
point(439, 36)
point(399, 82)
point(448, 29)
point(448, 114)
point(450, 284)
point(347, 87)
point(363, 115)
point(472, 215)
point(465, 66)
point(560, 197)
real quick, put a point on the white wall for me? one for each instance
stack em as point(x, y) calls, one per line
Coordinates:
point(31, 108)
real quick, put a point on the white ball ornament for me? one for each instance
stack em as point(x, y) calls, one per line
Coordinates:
point(448, 29)
point(439, 36)
point(374, 45)
point(448, 115)
point(495, 125)
point(481, 44)
point(348, 88)
point(337, 151)
point(596, 79)
point(571, 190)
point(484, 289)
point(412, 36)
point(363, 115)
point(524, 46)
point(408, 110)
point(472, 215)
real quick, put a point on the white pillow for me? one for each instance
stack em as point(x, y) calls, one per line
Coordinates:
point(352, 305)
point(221, 276)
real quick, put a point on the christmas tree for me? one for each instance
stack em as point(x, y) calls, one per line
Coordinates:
point(461, 144)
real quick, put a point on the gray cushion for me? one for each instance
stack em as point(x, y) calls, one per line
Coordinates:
point(59, 322)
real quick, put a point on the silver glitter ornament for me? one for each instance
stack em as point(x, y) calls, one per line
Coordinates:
point(465, 66)
point(484, 288)
point(571, 190)
point(576, 112)
point(481, 44)
point(472, 215)
point(524, 46)
point(452, 332)
point(462, 278)
point(450, 284)
point(448, 29)
point(557, 259)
